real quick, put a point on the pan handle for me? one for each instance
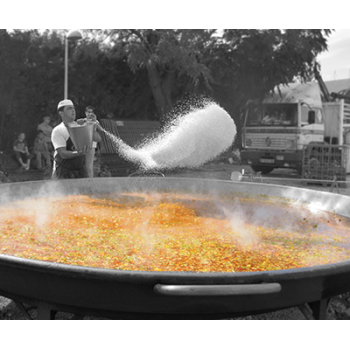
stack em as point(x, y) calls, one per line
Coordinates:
point(218, 290)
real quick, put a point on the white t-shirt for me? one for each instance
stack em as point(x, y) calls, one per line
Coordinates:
point(59, 136)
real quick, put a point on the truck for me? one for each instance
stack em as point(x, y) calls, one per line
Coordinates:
point(277, 129)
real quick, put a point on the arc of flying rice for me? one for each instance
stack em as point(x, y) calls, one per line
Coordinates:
point(192, 139)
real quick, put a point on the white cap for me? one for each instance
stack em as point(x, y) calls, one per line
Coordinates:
point(65, 103)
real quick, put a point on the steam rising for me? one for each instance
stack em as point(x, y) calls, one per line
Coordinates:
point(190, 140)
point(238, 225)
point(245, 218)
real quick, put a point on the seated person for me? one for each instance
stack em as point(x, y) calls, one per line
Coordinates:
point(41, 151)
point(46, 128)
point(20, 148)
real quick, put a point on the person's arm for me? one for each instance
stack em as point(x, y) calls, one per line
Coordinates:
point(96, 136)
point(65, 154)
point(45, 146)
point(15, 147)
point(35, 146)
point(26, 148)
point(93, 118)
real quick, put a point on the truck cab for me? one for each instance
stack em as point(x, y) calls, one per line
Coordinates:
point(277, 129)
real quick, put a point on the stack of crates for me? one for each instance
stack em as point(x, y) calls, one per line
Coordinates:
point(325, 164)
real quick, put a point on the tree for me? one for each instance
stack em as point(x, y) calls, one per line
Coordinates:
point(247, 64)
point(31, 81)
point(107, 83)
point(169, 56)
point(241, 62)
point(12, 83)
point(143, 73)
point(258, 60)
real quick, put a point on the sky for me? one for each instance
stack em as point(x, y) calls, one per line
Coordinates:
point(194, 14)
point(335, 63)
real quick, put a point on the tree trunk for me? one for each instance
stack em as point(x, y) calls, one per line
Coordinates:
point(161, 89)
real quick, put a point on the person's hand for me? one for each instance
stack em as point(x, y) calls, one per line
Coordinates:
point(81, 121)
point(84, 150)
point(92, 117)
point(98, 125)
point(87, 148)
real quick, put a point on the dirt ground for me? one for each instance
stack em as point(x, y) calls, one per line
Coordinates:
point(339, 306)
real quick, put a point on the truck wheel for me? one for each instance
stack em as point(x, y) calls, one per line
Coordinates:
point(263, 169)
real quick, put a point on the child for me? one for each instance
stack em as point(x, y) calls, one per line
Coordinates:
point(41, 151)
point(20, 148)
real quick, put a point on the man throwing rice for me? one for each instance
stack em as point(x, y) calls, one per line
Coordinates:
point(68, 162)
